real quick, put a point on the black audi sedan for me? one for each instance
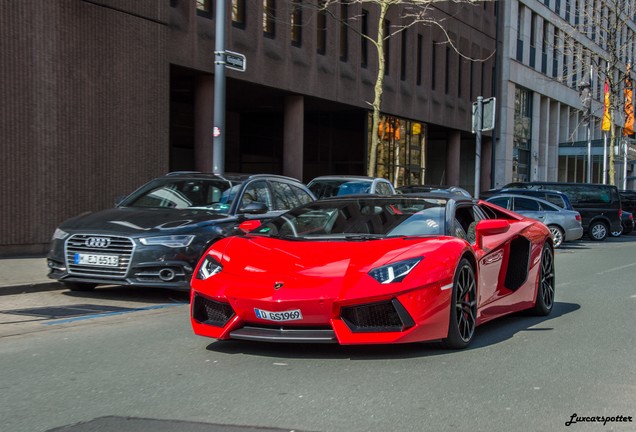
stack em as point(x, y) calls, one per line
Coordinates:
point(155, 236)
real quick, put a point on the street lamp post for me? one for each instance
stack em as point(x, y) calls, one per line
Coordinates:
point(586, 100)
point(218, 149)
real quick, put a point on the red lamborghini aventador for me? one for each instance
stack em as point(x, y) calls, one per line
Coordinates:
point(374, 270)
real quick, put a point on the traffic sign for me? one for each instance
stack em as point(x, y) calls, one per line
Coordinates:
point(236, 61)
point(487, 113)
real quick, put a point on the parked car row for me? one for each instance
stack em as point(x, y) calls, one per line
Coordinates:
point(155, 236)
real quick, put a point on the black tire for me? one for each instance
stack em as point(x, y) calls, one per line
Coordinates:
point(598, 231)
point(557, 235)
point(544, 301)
point(80, 286)
point(463, 313)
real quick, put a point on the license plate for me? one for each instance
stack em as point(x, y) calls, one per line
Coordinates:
point(290, 315)
point(96, 260)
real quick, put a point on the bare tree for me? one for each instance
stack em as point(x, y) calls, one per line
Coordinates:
point(412, 13)
point(598, 37)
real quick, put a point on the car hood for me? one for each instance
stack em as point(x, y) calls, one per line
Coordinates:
point(127, 220)
point(252, 266)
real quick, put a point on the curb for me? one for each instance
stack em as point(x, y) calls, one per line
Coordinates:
point(30, 288)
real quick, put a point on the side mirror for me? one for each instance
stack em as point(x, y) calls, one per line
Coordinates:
point(254, 208)
point(490, 227)
point(249, 225)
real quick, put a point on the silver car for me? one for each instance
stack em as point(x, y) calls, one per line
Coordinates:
point(565, 225)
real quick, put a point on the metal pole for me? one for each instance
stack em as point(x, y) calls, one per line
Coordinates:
point(480, 126)
point(604, 157)
point(626, 139)
point(218, 149)
point(589, 152)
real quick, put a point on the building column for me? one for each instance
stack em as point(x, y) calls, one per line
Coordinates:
point(553, 142)
point(293, 136)
point(203, 119)
point(453, 154)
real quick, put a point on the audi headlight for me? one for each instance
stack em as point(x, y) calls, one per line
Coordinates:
point(58, 234)
point(209, 267)
point(173, 241)
point(394, 272)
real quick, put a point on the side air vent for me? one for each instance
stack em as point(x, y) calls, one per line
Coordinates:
point(518, 263)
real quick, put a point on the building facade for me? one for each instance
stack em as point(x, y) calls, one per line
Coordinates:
point(104, 95)
point(550, 48)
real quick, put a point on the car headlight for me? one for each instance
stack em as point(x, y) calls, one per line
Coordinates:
point(394, 272)
point(173, 241)
point(209, 267)
point(58, 234)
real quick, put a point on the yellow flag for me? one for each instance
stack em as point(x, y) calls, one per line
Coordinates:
point(606, 115)
point(629, 107)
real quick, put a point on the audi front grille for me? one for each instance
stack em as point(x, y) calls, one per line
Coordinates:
point(102, 250)
point(211, 312)
point(388, 316)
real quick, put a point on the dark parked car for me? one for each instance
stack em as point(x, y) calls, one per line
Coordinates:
point(338, 185)
point(155, 236)
point(627, 223)
point(599, 204)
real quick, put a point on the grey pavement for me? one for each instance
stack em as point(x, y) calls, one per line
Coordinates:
point(18, 275)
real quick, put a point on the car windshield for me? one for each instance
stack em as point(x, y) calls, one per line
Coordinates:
point(205, 194)
point(330, 188)
point(359, 219)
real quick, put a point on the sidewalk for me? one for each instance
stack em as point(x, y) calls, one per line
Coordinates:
point(18, 275)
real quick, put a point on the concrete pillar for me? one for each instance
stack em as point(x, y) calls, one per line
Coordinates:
point(203, 113)
point(453, 155)
point(293, 134)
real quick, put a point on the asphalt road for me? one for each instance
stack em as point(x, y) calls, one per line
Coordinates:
point(118, 360)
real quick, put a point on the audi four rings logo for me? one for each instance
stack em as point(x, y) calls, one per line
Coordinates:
point(99, 242)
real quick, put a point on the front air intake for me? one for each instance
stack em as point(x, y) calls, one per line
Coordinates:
point(206, 311)
point(388, 316)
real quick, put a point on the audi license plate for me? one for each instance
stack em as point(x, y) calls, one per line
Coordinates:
point(96, 260)
point(290, 315)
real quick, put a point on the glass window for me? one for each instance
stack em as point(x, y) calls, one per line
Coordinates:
point(384, 188)
point(526, 204)
point(295, 22)
point(269, 18)
point(257, 191)
point(387, 47)
point(286, 199)
point(238, 13)
point(364, 42)
point(321, 28)
point(204, 8)
point(522, 135)
point(344, 32)
point(501, 202)
point(302, 195)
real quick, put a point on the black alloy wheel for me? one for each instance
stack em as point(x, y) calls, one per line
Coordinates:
point(463, 314)
point(544, 301)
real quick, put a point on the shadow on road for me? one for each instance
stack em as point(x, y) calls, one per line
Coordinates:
point(488, 334)
point(136, 294)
